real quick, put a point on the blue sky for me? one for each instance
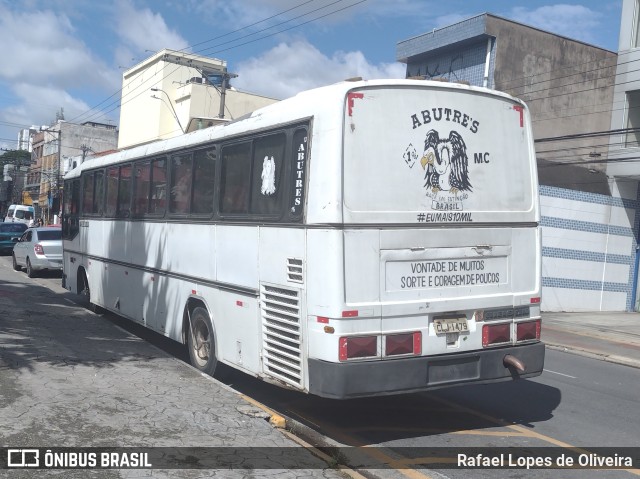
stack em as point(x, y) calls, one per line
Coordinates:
point(70, 54)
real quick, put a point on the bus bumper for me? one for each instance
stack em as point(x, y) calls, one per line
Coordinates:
point(395, 376)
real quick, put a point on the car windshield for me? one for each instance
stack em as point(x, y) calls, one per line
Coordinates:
point(12, 227)
point(49, 235)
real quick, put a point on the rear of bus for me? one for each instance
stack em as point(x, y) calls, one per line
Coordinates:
point(440, 244)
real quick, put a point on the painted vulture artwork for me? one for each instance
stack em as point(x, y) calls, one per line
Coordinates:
point(446, 163)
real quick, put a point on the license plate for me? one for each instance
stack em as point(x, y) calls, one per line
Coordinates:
point(450, 325)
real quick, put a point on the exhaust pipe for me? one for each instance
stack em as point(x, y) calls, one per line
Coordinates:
point(510, 361)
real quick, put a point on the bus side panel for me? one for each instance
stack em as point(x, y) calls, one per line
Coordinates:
point(236, 324)
point(283, 279)
point(281, 248)
point(325, 256)
point(236, 252)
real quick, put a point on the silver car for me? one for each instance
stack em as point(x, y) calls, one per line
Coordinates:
point(38, 249)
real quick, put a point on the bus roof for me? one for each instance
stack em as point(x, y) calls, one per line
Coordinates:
point(306, 104)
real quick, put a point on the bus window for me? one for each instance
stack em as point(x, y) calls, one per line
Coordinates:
point(142, 183)
point(70, 225)
point(124, 191)
point(181, 176)
point(234, 183)
point(158, 186)
point(98, 197)
point(87, 192)
point(112, 190)
point(266, 186)
point(203, 181)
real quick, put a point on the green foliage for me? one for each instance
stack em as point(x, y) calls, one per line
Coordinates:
point(14, 157)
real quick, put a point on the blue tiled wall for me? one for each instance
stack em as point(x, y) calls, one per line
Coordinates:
point(626, 284)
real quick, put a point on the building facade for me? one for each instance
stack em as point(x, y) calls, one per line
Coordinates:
point(623, 160)
point(172, 93)
point(588, 217)
point(52, 148)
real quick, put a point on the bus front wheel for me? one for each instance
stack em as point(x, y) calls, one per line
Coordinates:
point(201, 342)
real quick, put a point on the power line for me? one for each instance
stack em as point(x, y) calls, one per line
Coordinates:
point(146, 82)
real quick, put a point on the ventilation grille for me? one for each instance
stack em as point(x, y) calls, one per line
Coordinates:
point(294, 270)
point(282, 356)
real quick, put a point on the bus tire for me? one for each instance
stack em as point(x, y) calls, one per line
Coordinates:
point(201, 342)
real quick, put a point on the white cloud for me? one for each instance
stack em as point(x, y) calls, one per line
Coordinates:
point(573, 21)
point(48, 99)
point(290, 68)
point(41, 44)
point(141, 30)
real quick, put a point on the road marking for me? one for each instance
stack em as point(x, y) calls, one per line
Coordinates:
point(525, 431)
point(560, 374)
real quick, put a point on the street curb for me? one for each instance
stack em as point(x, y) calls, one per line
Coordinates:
point(615, 359)
point(287, 425)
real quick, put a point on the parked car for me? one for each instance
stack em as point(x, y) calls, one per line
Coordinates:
point(38, 249)
point(9, 234)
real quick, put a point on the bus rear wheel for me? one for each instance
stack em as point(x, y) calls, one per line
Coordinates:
point(202, 352)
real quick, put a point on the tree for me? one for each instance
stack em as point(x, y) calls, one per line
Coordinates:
point(14, 157)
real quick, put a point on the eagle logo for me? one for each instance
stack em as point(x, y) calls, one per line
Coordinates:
point(446, 163)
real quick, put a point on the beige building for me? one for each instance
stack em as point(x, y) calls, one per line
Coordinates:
point(172, 93)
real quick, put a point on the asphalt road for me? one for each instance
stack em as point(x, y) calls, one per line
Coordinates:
point(579, 404)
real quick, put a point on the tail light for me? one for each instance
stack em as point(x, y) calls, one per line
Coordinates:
point(496, 334)
point(37, 249)
point(358, 347)
point(528, 330)
point(407, 343)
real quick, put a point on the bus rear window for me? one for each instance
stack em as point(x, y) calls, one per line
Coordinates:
point(437, 155)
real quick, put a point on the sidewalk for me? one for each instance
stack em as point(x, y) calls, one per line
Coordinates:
point(609, 336)
point(71, 379)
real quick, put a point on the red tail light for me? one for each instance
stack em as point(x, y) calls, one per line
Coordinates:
point(528, 330)
point(409, 343)
point(37, 248)
point(358, 347)
point(496, 334)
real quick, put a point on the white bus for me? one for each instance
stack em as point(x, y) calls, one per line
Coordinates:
point(365, 238)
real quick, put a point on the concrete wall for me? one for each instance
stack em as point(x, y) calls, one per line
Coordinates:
point(628, 79)
point(567, 85)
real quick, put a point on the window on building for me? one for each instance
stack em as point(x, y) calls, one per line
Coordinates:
point(633, 119)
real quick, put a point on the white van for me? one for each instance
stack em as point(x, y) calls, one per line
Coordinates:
point(20, 213)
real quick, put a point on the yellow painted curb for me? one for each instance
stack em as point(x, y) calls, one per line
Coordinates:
point(278, 421)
